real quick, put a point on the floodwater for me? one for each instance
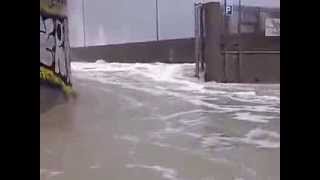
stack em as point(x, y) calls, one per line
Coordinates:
point(157, 122)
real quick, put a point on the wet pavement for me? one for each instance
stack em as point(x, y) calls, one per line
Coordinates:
point(157, 122)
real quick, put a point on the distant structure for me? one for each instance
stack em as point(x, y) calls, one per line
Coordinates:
point(234, 41)
point(55, 69)
point(237, 43)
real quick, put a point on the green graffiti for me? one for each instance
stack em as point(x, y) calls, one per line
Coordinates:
point(49, 76)
point(54, 7)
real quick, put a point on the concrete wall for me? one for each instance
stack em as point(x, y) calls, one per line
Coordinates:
point(54, 40)
point(231, 69)
point(260, 64)
point(252, 68)
point(260, 68)
point(171, 51)
point(212, 39)
point(55, 70)
point(232, 54)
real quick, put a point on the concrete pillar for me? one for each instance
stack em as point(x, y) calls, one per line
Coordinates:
point(55, 69)
point(212, 53)
point(54, 44)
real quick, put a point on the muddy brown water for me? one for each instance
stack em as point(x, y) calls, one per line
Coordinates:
point(128, 124)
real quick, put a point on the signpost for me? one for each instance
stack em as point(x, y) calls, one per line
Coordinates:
point(228, 7)
point(228, 10)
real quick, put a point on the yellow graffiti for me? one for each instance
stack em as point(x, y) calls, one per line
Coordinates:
point(53, 7)
point(48, 75)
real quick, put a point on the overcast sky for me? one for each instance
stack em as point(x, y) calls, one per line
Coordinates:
point(122, 21)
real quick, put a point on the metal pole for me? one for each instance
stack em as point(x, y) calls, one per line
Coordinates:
point(157, 20)
point(239, 39)
point(239, 17)
point(83, 23)
point(196, 15)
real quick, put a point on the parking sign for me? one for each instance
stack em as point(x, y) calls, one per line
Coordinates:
point(228, 10)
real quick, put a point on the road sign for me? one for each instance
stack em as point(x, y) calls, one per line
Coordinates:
point(228, 10)
point(228, 7)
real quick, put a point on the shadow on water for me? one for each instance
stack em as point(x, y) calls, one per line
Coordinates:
point(50, 97)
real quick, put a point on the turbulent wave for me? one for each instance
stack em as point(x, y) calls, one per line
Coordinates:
point(252, 104)
point(177, 80)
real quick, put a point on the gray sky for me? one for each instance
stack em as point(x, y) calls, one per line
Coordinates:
point(122, 21)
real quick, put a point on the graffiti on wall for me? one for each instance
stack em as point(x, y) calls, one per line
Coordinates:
point(56, 7)
point(54, 45)
point(54, 50)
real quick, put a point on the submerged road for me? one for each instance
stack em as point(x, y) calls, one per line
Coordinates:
point(157, 122)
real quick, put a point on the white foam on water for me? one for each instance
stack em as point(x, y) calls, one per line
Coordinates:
point(242, 101)
point(179, 114)
point(192, 122)
point(50, 173)
point(198, 101)
point(95, 166)
point(101, 61)
point(170, 130)
point(247, 116)
point(166, 173)
point(163, 145)
point(130, 138)
point(216, 140)
point(132, 101)
point(246, 93)
point(258, 137)
point(253, 98)
point(194, 135)
point(193, 99)
point(178, 84)
point(178, 124)
point(262, 138)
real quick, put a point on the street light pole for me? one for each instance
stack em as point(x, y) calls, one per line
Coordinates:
point(83, 23)
point(157, 20)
